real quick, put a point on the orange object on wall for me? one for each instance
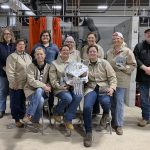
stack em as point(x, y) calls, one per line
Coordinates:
point(57, 36)
point(36, 26)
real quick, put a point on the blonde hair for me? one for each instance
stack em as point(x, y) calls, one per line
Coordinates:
point(39, 49)
point(12, 35)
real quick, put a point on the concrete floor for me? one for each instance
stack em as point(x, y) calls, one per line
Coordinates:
point(134, 137)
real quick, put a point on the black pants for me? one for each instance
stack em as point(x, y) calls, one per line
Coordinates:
point(51, 100)
point(17, 104)
point(96, 107)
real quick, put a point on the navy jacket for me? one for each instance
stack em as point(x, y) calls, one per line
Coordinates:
point(5, 51)
point(142, 55)
point(51, 52)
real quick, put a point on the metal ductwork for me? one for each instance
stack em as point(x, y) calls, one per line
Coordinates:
point(17, 5)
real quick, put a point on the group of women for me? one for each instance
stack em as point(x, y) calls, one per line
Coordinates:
point(41, 76)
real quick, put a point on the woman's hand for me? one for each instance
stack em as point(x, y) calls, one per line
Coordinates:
point(47, 88)
point(110, 91)
point(64, 87)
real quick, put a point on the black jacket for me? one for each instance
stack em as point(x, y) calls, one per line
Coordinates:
point(142, 55)
point(5, 51)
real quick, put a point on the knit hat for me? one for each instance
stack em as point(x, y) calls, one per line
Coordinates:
point(69, 38)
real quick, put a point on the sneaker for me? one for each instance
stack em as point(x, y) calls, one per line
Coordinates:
point(143, 123)
point(27, 119)
point(19, 124)
point(87, 141)
point(69, 125)
point(57, 118)
point(119, 131)
point(104, 119)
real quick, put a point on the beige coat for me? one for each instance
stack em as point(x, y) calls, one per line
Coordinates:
point(56, 73)
point(84, 52)
point(123, 76)
point(16, 69)
point(75, 55)
point(102, 74)
point(33, 76)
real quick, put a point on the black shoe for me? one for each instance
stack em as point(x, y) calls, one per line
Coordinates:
point(88, 140)
point(105, 118)
point(2, 114)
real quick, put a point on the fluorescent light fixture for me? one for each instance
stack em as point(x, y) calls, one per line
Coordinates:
point(102, 7)
point(58, 7)
point(5, 6)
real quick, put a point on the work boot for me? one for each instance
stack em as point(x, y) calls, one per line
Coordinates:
point(27, 119)
point(143, 123)
point(57, 118)
point(69, 125)
point(19, 124)
point(119, 131)
point(104, 119)
point(2, 114)
point(87, 141)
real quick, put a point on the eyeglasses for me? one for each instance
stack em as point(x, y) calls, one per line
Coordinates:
point(45, 35)
point(69, 41)
point(7, 33)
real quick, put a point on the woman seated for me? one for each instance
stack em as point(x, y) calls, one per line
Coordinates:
point(101, 85)
point(16, 69)
point(68, 100)
point(37, 87)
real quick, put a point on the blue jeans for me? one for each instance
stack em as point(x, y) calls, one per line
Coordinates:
point(145, 100)
point(4, 90)
point(117, 107)
point(17, 104)
point(36, 101)
point(89, 101)
point(68, 101)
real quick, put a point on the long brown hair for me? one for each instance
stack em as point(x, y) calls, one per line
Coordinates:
point(12, 35)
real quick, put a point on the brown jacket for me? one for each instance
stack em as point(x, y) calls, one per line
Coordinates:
point(16, 69)
point(84, 55)
point(123, 76)
point(56, 73)
point(33, 79)
point(102, 74)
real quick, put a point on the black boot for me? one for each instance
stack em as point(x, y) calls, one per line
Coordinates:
point(88, 140)
point(2, 114)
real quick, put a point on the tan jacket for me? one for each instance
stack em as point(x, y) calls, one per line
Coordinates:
point(33, 76)
point(102, 74)
point(56, 73)
point(16, 69)
point(84, 52)
point(75, 55)
point(123, 76)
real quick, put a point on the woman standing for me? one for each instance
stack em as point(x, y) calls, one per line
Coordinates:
point(68, 100)
point(101, 85)
point(91, 40)
point(37, 87)
point(16, 69)
point(123, 61)
point(74, 54)
point(7, 46)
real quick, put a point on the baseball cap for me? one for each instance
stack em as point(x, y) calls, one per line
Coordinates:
point(147, 30)
point(118, 34)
